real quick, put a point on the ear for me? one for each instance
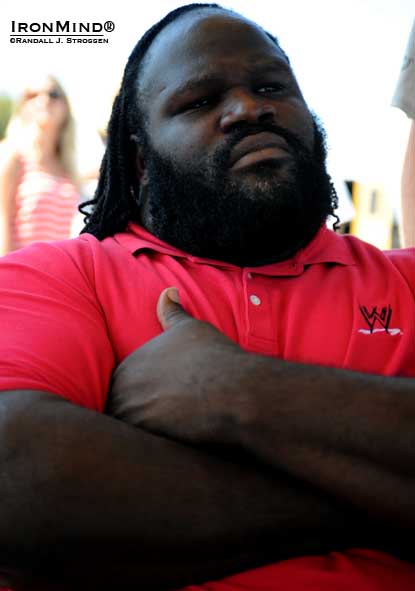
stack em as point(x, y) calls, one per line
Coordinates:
point(139, 161)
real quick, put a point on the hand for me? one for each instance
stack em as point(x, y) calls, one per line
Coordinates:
point(180, 384)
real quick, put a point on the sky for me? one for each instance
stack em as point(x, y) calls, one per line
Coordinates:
point(346, 55)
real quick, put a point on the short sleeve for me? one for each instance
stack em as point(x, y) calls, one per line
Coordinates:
point(53, 333)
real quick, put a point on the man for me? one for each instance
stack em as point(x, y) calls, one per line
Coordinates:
point(279, 431)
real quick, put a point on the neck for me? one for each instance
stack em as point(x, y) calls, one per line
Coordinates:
point(276, 257)
point(43, 147)
point(272, 252)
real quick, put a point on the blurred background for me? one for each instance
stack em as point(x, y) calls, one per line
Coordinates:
point(346, 55)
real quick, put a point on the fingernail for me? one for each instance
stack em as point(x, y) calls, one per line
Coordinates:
point(173, 294)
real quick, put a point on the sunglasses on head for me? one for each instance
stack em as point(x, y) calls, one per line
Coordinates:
point(53, 94)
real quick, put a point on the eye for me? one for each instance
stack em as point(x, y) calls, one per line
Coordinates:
point(200, 103)
point(270, 88)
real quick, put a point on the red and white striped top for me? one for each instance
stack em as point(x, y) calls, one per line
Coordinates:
point(45, 206)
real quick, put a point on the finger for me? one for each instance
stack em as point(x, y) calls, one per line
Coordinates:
point(169, 310)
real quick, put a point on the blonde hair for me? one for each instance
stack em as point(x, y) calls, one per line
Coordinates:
point(66, 140)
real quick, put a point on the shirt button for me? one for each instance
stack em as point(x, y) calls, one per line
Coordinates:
point(255, 300)
point(249, 275)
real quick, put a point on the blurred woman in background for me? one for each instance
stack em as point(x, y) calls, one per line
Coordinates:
point(38, 189)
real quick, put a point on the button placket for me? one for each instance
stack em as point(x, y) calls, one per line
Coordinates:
point(255, 300)
point(258, 307)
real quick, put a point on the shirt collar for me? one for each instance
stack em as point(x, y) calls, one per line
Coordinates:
point(326, 247)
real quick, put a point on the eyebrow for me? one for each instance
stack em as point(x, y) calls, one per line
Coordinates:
point(213, 79)
point(196, 83)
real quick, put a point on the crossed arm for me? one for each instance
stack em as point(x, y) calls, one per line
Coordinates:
point(88, 502)
point(351, 435)
point(292, 460)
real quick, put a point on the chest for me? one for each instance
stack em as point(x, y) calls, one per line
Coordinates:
point(39, 191)
point(328, 316)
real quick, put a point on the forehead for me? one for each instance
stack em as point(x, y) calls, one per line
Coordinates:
point(40, 85)
point(204, 43)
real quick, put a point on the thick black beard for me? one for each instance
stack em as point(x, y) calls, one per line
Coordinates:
point(199, 210)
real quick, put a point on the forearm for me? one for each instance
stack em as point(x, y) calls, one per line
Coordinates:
point(80, 489)
point(350, 434)
point(9, 180)
point(408, 191)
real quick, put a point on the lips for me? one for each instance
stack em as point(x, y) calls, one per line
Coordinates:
point(258, 147)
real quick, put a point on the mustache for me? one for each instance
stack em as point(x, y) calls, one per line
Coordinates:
point(295, 144)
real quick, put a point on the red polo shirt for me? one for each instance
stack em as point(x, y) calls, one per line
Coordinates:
point(71, 311)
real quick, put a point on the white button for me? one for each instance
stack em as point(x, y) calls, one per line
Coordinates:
point(249, 275)
point(255, 300)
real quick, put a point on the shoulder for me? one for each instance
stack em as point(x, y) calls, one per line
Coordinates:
point(387, 263)
point(10, 159)
point(75, 262)
point(66, 262)
point(54, 334)
point(403, 259)
point(362, 249)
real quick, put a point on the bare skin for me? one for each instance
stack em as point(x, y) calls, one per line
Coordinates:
point(88, 502)
point(10, 170)
point(408, 191)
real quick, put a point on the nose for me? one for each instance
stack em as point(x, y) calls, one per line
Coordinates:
point(245, 106)
point(42, 99)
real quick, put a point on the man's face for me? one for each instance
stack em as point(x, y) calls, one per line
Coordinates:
point(232, 154)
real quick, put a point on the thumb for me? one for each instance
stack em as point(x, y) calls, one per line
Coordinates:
point(169, 310)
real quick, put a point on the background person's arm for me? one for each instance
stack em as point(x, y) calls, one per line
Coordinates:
point(408, 191)
point(9, 176)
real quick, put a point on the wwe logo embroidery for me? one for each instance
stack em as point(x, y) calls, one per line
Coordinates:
point(382, 318)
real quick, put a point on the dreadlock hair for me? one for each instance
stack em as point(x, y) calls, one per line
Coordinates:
point(114, 203)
